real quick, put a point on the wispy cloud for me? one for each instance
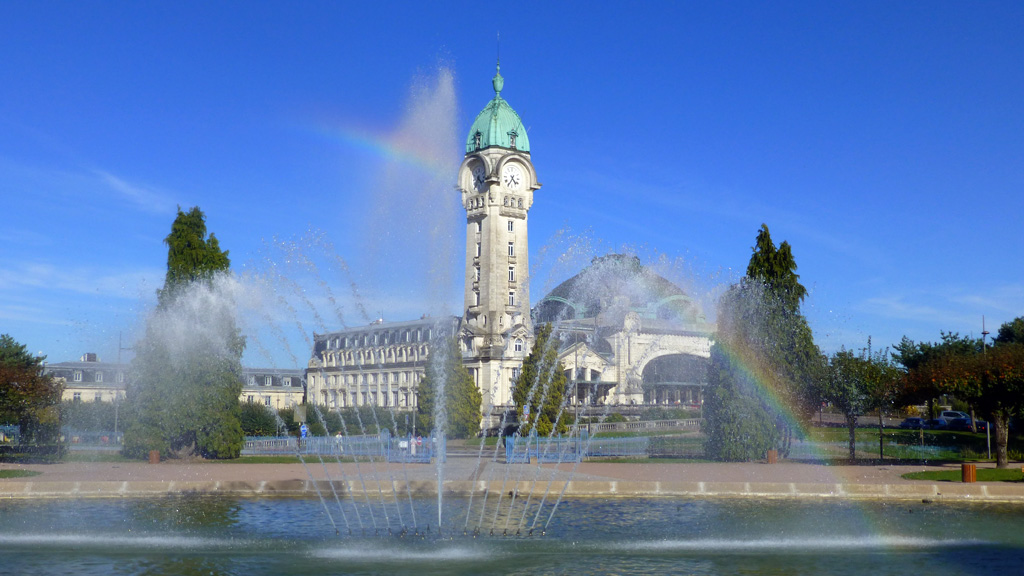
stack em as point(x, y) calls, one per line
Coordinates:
point(80, 280)
point(18, 312)
point(63, 182)
point(720, 204)
point(148, 199)
point(953, 308)
point(999, 300)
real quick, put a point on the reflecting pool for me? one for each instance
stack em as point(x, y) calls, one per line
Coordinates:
point(251, 537)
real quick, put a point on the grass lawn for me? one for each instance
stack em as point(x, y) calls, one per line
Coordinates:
point(18, 473)
point(984, 475)
point(95, 457)
point(650, 460)
point(641, 433)
point(912, 444)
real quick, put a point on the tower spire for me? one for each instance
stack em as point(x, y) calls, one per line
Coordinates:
point(498, 82)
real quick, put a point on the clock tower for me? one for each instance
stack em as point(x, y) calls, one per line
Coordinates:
point(496, 181)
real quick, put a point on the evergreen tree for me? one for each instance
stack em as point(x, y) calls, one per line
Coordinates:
point(186, 375)
point(462, 399)
point(28, 398)
point(737, 426)
point(764, 354)
point(776, 270)
point(539, 391)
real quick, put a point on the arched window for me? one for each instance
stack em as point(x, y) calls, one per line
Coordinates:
point(519, 344)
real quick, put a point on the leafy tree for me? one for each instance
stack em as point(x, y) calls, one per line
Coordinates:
point(28, 397)
point(287, 416)
point(539, 391)
point(461, 404)
point(764, 364)
point(356, 420)
point(856, 384)
point(186, 375)
point(992, 381)
point(914, 355)
point(1012, 331)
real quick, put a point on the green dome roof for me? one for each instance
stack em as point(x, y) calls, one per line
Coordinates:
point(497, 124)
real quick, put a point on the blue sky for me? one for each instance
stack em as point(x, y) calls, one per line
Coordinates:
point(884, 141)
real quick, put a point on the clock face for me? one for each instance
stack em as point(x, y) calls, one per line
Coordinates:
point(512, 177)
point(479, 178)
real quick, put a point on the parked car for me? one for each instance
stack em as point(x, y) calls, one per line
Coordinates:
point(959, 425)
point(935, 424)
point(912, 424)
point(948, 415)
point(964, 425)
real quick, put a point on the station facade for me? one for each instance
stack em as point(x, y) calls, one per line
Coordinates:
point(627, 335)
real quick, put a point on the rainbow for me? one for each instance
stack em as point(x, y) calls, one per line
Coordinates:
point(765, 384)
point(398, 149)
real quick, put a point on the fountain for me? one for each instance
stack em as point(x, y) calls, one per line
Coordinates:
point(488, 512)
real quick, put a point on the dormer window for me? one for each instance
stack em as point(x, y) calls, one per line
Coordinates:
point(512, 140)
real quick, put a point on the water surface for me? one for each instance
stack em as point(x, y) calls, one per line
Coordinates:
point(247, 537)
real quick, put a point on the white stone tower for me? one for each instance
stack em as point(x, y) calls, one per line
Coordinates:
point(497, 181)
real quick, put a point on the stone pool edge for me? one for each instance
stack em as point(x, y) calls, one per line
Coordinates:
point(936, 492)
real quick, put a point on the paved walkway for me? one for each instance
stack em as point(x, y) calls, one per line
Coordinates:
point(785, 479)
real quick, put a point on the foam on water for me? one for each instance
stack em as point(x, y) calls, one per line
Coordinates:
point(405, 554)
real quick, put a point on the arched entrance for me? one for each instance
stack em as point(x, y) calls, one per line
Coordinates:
point(675, 379)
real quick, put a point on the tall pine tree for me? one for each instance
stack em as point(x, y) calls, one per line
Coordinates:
point(539, 391)
point(765, 366)
point(186, 375)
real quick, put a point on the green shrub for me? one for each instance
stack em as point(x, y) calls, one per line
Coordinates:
point(258, 420)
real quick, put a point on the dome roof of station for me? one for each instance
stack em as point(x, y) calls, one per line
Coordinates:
point(497, 124)
point(613, 286)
